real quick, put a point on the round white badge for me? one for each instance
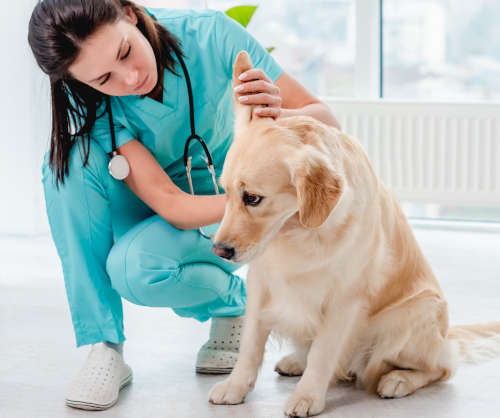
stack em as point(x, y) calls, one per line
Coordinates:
point(118, 167)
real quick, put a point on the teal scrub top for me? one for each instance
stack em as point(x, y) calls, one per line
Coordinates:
point(210, 41)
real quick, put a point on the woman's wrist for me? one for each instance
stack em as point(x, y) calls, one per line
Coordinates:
point(191, 212)
point(222, 199)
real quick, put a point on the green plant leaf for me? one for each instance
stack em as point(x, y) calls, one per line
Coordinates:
point(271, 49)
point(242, 14)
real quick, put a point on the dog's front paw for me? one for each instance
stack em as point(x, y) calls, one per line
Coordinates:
point(394, 385)
point(290, 365)
point(302, 404)
point(228, 392)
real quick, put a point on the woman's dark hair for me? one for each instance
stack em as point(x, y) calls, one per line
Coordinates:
point(57, 29)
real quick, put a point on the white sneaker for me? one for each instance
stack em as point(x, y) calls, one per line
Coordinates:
point(219, 354)
point(97, 385)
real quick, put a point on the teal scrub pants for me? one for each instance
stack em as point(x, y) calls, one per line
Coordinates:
point(112, 245)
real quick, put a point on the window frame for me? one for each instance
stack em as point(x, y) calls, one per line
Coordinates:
point(369, 49)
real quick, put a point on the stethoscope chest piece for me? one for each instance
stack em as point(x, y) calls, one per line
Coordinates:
point(118, 167)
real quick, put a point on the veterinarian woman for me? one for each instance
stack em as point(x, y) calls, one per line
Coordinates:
point(118, 75)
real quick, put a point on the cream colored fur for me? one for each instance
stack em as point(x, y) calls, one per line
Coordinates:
point(333, 265)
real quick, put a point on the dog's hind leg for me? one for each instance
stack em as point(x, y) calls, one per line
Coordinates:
point(293, 364)
point(399, 383)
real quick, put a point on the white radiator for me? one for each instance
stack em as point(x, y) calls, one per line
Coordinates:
point(430, 152)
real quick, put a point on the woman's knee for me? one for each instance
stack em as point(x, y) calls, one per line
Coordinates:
point(152, 279)
point(136, 270)
point(155, 264)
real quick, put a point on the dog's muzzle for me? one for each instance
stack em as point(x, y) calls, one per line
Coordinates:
point(223, 250)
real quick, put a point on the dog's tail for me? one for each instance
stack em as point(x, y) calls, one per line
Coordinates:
point(476, 343)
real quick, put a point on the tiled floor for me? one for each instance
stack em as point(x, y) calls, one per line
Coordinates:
point(38, 358)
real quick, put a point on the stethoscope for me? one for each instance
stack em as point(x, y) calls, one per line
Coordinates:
point(119, 167)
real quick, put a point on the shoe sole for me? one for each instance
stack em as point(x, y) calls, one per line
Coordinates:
point(95, 406)
point(213, 370)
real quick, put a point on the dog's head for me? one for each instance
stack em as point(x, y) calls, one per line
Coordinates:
point(272, 172)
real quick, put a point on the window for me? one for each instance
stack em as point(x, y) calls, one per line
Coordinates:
point(429, 50)
point(443, 50)
point(315, 40)
point(437, 50)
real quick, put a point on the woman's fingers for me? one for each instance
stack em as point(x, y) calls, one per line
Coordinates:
point(258, 89)
point(262, 99)
point(273, 112)
point(254, 74)
point(259, 86)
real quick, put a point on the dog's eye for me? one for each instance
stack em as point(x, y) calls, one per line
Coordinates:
point(251, 199)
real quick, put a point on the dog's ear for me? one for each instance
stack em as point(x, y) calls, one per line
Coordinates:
point(318, 187)
point(243, 113)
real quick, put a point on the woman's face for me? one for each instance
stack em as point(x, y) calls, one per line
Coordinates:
point(117, 60)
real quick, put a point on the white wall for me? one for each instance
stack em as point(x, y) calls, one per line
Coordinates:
point(24, 120)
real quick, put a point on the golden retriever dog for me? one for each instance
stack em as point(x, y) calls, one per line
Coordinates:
point(333, 266)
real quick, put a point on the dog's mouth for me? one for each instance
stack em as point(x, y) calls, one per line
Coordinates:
point(225, 246)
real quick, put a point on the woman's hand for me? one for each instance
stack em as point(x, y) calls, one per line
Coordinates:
point(258, 89)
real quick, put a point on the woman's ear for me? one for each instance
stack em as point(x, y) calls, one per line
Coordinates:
point(318, 188)
point(130, 15)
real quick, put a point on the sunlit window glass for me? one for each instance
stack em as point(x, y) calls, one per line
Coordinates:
point(443, 50)
point(315, 41)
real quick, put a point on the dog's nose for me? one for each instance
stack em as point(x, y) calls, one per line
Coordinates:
point(223, 250)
